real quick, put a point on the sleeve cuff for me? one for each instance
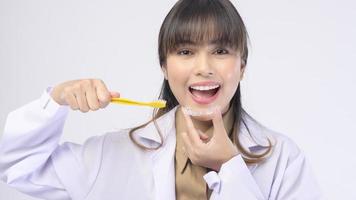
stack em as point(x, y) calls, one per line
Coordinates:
point(234, 176)
point(49, 105)
point(214, 179)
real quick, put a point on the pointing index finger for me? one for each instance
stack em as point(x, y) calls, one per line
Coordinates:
point(192, 132)
point(218, 122)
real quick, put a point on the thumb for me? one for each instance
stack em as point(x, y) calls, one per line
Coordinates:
point(203, 136)
point(114, 94)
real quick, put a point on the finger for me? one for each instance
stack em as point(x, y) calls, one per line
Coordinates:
point(203, 136)
point(71, 101)
point(187, 144)
point(114, 94)
point(218, 123)
point(192, 133)
point(82, 101)
point(103, 94)
point(92, 99)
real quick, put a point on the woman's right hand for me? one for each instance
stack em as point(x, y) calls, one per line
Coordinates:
point(83, 95)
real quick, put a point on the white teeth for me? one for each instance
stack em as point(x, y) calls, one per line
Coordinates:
point(204, 87)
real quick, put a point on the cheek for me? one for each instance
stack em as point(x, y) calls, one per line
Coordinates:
point(231, 80)
point(178, 75)
point(233, 75)
point(231, 72)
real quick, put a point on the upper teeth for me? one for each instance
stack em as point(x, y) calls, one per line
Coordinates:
point(204, 87)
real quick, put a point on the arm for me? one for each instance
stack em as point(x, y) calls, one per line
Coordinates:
point(292, 178)
point(31, 159)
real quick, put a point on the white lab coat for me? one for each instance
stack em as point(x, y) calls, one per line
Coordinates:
point(110, 166)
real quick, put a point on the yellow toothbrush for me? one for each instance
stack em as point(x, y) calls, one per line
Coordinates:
point(154, 104)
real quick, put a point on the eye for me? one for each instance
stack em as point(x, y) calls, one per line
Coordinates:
point(184, 52)
point(221, 51)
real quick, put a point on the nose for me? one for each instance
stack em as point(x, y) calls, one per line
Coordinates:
point(203, 66)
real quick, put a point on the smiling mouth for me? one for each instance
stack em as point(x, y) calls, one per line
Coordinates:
point(204, 93)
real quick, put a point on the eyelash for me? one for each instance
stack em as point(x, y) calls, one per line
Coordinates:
point(226, 51)
point(185, 50)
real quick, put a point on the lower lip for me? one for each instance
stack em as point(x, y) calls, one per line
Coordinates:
point(205, 100)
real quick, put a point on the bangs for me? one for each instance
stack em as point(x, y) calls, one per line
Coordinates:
point(203, 21)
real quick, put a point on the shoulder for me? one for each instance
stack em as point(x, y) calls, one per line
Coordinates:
point(282, 144)
point(285, 158)
point(285, 150)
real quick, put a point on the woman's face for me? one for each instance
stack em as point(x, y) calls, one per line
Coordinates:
point(203, 76)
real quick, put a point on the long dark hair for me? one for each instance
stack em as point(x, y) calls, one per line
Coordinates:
point(199, 21)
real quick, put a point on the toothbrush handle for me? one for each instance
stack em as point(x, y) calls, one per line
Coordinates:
point(127, 101)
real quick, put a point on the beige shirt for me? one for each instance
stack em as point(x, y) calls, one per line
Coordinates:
point(189, 182)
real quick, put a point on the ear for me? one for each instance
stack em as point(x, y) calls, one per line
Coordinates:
point(242, 70)
point(164, 70)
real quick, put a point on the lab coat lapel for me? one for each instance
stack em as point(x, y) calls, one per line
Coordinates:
point(162, 160)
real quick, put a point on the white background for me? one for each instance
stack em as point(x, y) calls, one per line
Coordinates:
point(300, 79)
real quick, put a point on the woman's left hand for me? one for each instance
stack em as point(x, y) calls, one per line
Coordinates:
point(213, 153)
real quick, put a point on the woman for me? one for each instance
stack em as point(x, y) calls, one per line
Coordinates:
point(202, 145)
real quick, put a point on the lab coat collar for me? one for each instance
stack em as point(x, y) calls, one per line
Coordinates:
point(253, 139)
point(149, 135)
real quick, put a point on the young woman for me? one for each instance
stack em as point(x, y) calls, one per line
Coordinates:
point(203, 145)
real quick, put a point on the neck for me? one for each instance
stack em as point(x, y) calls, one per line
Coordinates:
point(205, 126)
